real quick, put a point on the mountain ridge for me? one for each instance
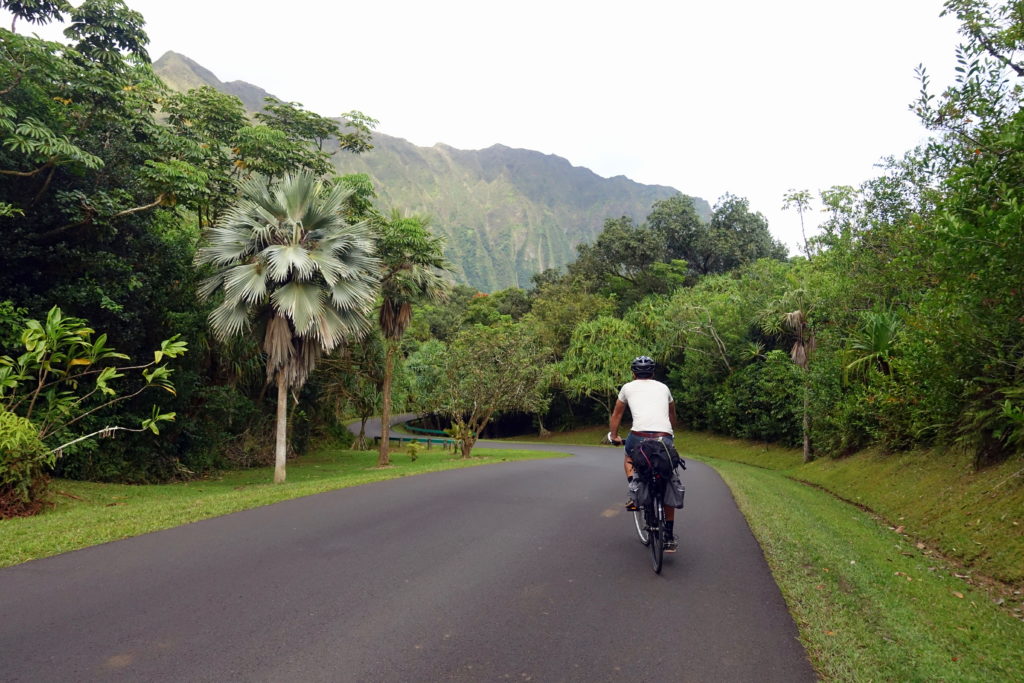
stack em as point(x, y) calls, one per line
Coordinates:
point(505, 213)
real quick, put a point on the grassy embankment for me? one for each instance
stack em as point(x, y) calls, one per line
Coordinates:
point(925, 583)
point(90, 513)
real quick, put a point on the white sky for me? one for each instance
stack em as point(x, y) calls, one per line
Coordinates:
point(752, 97)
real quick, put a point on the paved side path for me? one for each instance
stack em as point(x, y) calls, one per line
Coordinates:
point(520, 571)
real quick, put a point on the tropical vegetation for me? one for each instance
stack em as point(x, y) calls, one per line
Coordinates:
point(153, 216)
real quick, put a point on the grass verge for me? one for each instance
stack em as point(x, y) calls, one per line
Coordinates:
point(869, 605)
point(89, 513)
point(938, 499)
point(935, 498)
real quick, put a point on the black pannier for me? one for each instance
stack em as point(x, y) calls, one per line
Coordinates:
point(653, 455)
point(674, 493)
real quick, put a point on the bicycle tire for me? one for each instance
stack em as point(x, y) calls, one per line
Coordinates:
point(657, 550)
point(657, 534)
point(641, 527)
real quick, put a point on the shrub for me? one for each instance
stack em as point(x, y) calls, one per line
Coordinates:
point(413, 449)
point(762, 401)
point(844, 427)
point(23, 463)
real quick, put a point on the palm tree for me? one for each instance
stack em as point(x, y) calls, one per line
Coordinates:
point(873, 344)
point(413, 261)
point(295, 273)
point(779, 319)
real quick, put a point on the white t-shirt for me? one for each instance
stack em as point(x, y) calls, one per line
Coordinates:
point(648, 401)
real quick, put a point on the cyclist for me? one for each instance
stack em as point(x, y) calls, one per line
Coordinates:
point(654, 415)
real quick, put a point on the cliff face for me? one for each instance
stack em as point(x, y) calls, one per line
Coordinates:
point(505, 213)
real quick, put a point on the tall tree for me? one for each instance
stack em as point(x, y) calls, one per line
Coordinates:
point(800, 201)
point(965, 334)
point(483, 372)
point(597, 361)
point(351, 383)
point(791, 316)
point(627, 262)
point(736, 236)
point(35, 11)
point(295, 273)
point(677, 224)
point(412, 261)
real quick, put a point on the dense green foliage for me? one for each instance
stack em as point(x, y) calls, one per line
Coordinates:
point(900, 326)
point(24, 461)
point(483, 372)
point(106, 180)
point(412, 260)
point(62, 377)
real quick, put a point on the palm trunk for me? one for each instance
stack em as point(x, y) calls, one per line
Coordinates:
point(383, 458)
point(361, 441)
point(280, 450)
point(807, 421)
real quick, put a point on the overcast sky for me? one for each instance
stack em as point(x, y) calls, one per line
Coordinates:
point(752, 97)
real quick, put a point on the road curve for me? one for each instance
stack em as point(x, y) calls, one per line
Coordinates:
point(519, 571)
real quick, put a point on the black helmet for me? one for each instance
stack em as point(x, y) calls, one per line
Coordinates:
point(642, 365)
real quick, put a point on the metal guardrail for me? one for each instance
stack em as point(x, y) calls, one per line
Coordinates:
point(429, 441)
point(424, 430)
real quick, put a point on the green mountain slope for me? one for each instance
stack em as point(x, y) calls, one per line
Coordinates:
point(505, 213)
point(181, 73)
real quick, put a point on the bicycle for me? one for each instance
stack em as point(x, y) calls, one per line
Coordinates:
point(649, 518)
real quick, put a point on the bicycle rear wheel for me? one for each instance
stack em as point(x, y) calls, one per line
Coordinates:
point(641, 527)
point(657, 547)
point(657, 536)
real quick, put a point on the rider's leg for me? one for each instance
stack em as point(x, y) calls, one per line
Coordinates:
point(629, 444)
point(627, 465)
point(671, 544)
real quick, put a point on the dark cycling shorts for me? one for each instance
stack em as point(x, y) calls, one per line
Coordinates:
point(633, 440)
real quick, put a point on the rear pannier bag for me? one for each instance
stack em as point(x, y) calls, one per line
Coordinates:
point(674, 493)
point(640, 492)
point(653, 455)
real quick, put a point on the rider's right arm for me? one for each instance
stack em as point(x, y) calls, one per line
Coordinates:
point(616, 419)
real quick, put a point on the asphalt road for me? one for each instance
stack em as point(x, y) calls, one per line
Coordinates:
point(519, 571)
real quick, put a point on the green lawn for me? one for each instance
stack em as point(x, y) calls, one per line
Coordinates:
point(90, 513)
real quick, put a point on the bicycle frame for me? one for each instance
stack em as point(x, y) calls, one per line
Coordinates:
point(654, 522)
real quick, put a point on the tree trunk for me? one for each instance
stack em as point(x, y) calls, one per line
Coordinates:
point(361, 441)
point(280, 451)
point(383, 458)
point(807, 421)
point(541, 430)
point(474, 428)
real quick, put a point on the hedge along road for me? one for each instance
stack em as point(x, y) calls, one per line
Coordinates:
point(528, 570)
